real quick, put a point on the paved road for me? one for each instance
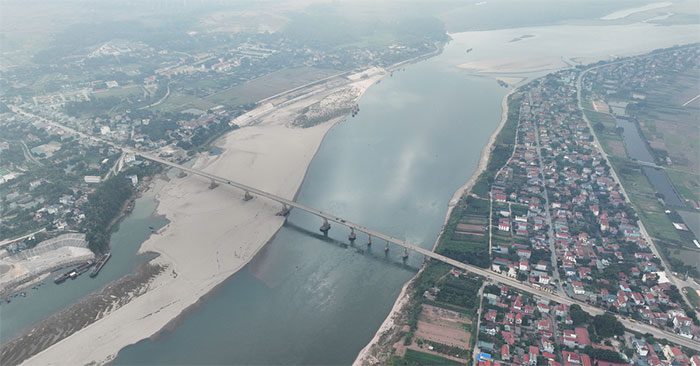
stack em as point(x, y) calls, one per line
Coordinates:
point(480, 295)
point(667, 269)
point(493, 276)
point(548, 215)
point(28, 154)
point(10, 241)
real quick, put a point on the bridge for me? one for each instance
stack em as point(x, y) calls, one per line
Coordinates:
point(327, 218)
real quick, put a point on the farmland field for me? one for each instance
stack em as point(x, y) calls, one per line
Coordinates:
point(413, 357)
point(268, 85)
point(668, 124)
point(120, 92)
point(178, 102)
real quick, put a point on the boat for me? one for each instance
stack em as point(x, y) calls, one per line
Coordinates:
point(100, 263)
point(60, 278)
point(74, 273)
point(83, 268)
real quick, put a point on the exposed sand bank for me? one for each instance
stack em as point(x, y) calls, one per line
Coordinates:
point(555, 47)
point(212, 233)
point(624, 13)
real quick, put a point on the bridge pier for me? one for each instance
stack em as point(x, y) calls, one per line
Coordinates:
point(325, 227)
point(247, 197)
point(284, 211)
point(352, 235)
point(181, 174)
point(405, 253)
point(369, 240)
point(386, 248)
point(213, 184)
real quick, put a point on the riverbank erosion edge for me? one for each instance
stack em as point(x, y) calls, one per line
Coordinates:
point(212, 233)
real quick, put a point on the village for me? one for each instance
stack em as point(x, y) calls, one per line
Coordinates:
point(557, 195)
point(552, 214)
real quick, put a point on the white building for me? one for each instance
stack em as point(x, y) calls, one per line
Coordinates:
point(90, 179)
point(134, 179)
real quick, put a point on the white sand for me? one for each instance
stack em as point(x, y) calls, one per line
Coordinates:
point(212, 233)
point(550, 47)
point(624, 13)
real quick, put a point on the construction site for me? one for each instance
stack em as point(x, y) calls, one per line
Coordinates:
point(22, 268)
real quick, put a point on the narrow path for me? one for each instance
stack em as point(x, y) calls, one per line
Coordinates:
point(28, 154)
point(691, 100)
point(161, 100)
point(480, 295)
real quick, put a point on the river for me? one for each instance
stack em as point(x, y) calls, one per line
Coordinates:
point(637, 149)
point(394, 167)
point(49, 298)
point(309, 300)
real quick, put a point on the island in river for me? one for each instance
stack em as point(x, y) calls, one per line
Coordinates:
point(210, 234)
point(379, 170)
point(189, 190)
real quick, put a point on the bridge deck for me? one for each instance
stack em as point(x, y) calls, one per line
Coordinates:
point(493, 276)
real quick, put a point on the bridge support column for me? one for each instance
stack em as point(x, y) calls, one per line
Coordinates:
point(386, 247)
point(325, 227)
point(405, 253)
point(213, 184)
point(284, 211)
point(352, 235)
point(247, 196)
point(369, 240)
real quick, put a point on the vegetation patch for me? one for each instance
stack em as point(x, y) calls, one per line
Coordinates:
point(416, 358)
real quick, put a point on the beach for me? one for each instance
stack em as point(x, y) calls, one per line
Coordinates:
point(212, 233)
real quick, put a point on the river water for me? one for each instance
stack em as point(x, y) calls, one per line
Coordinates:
point(306, 299)
point(637, 149)
point(49, 298)
point(309, 300)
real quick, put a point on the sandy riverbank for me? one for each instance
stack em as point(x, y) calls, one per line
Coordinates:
point(366, 355)
point(507, 55)
point(212, 233)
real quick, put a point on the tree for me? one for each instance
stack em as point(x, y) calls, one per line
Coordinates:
point(607, 325)
point(578, 316)
point(604, 354)
point(103, 206)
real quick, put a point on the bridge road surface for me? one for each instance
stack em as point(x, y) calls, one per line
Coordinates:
point(629, 323)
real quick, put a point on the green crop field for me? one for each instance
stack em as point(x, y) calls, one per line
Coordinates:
point(179, 102)
point(413, 357)
point(269, 85)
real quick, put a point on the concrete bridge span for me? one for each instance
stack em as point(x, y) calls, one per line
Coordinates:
point(327, 218)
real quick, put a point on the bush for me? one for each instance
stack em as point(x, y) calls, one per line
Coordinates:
point(607, 325)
